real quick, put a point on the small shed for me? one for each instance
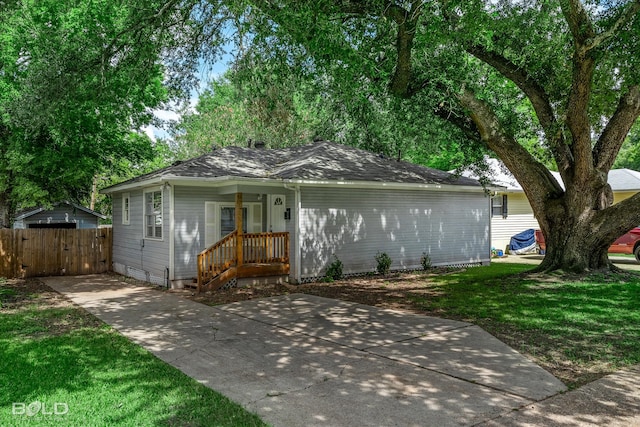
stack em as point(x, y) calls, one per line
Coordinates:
point(60, 215)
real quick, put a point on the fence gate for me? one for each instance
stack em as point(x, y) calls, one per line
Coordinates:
point(54, 252)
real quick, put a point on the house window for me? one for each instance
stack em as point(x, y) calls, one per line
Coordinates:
point(228, 220)
point(153, 214)
point(499, 205)
point(125, 208)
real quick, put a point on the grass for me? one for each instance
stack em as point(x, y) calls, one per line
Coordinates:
point(54, 352)
point(577, 328)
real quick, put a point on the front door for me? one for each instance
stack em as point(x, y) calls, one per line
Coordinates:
point(276, 213)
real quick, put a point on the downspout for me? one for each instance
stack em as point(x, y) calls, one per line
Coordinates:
point(296, 243)
point(170, 276)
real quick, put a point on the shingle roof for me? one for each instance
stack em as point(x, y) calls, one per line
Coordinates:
point(619, 179)
point(319, 161)
point(32, 211)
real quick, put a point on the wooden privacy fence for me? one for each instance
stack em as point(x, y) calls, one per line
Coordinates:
point(54, 252)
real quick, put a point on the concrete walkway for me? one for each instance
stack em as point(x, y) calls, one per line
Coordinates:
point(302, 360)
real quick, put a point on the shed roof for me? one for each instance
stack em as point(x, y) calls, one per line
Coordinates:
point(30, 212)
point(319, 161)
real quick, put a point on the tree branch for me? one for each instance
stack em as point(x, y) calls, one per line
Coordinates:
point(579, 23)
point(406, 21)
point(609, 143)
point(113, 48)
point(577, 117)
point(462, 122)
point(536, 94)
point(536, 180)
point(618, 218)
point(625, 17)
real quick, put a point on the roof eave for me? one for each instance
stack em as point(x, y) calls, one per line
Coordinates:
point(384, 185)
point(229, 180)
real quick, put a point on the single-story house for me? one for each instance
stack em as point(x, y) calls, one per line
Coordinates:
point(60, 215)
point(299, 207)
point(511, 212)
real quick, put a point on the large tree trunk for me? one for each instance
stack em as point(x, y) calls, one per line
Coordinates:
point(7, 210)
point(574, 245)
point(580, 226)
point(573, 251)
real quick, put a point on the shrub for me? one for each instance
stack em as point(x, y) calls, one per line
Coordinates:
point(384, 263)
point(334, 270)
point(425, 260)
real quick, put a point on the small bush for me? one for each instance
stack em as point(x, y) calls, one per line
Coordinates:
point(384, 263)
point(334, 270)
point(425, 260)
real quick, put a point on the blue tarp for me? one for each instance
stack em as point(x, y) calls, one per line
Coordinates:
point(523, 242)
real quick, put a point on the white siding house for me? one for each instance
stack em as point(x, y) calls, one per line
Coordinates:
point(331, 199)
point(511, 212)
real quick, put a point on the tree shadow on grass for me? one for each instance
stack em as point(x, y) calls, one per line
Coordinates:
point(64, 355)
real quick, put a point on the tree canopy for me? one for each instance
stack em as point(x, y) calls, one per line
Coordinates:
point(539, 83)
point(535, 82)
point(78, 80)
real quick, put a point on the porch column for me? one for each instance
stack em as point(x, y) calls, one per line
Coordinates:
point(239, 226)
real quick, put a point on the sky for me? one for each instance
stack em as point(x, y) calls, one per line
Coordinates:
point(206, 73)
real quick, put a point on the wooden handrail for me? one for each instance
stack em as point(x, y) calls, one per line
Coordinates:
point(257, 248)
point(216, 258)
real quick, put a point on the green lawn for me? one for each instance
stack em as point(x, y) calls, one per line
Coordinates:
point(52, 352)
point(577, 328)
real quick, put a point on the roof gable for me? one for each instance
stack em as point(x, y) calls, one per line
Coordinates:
point(319, 161)
point(34, 211)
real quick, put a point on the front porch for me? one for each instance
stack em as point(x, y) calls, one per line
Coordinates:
point(241, 255)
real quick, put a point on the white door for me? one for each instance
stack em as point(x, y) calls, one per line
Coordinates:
point(277, 203)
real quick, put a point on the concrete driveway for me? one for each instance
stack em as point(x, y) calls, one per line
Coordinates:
point(302, 360)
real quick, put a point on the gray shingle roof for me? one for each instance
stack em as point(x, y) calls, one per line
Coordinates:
point(32, 211)
point(319, 161)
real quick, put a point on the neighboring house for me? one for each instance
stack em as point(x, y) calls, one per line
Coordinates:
point(324, 198)
point(511, 212)
point(61, 215)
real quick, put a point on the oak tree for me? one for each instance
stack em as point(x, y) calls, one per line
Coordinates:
point(556, 79)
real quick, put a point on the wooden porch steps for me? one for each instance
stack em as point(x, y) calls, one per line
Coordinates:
point(252, 270)
point(243, 255)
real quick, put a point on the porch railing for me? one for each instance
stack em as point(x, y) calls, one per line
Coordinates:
point(217, 258)
point(257, 248)
point(265, 248)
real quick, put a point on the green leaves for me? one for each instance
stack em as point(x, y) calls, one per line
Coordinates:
point(77, 78)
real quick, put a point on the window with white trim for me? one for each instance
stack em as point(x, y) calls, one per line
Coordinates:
point(153, 214)
point(499, 206)
point(126, 208)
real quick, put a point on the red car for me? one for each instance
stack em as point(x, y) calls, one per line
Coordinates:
point(628, 243)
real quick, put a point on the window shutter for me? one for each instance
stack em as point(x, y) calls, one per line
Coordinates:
point(256, 218)
point(504, 206)
point(210, 224)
